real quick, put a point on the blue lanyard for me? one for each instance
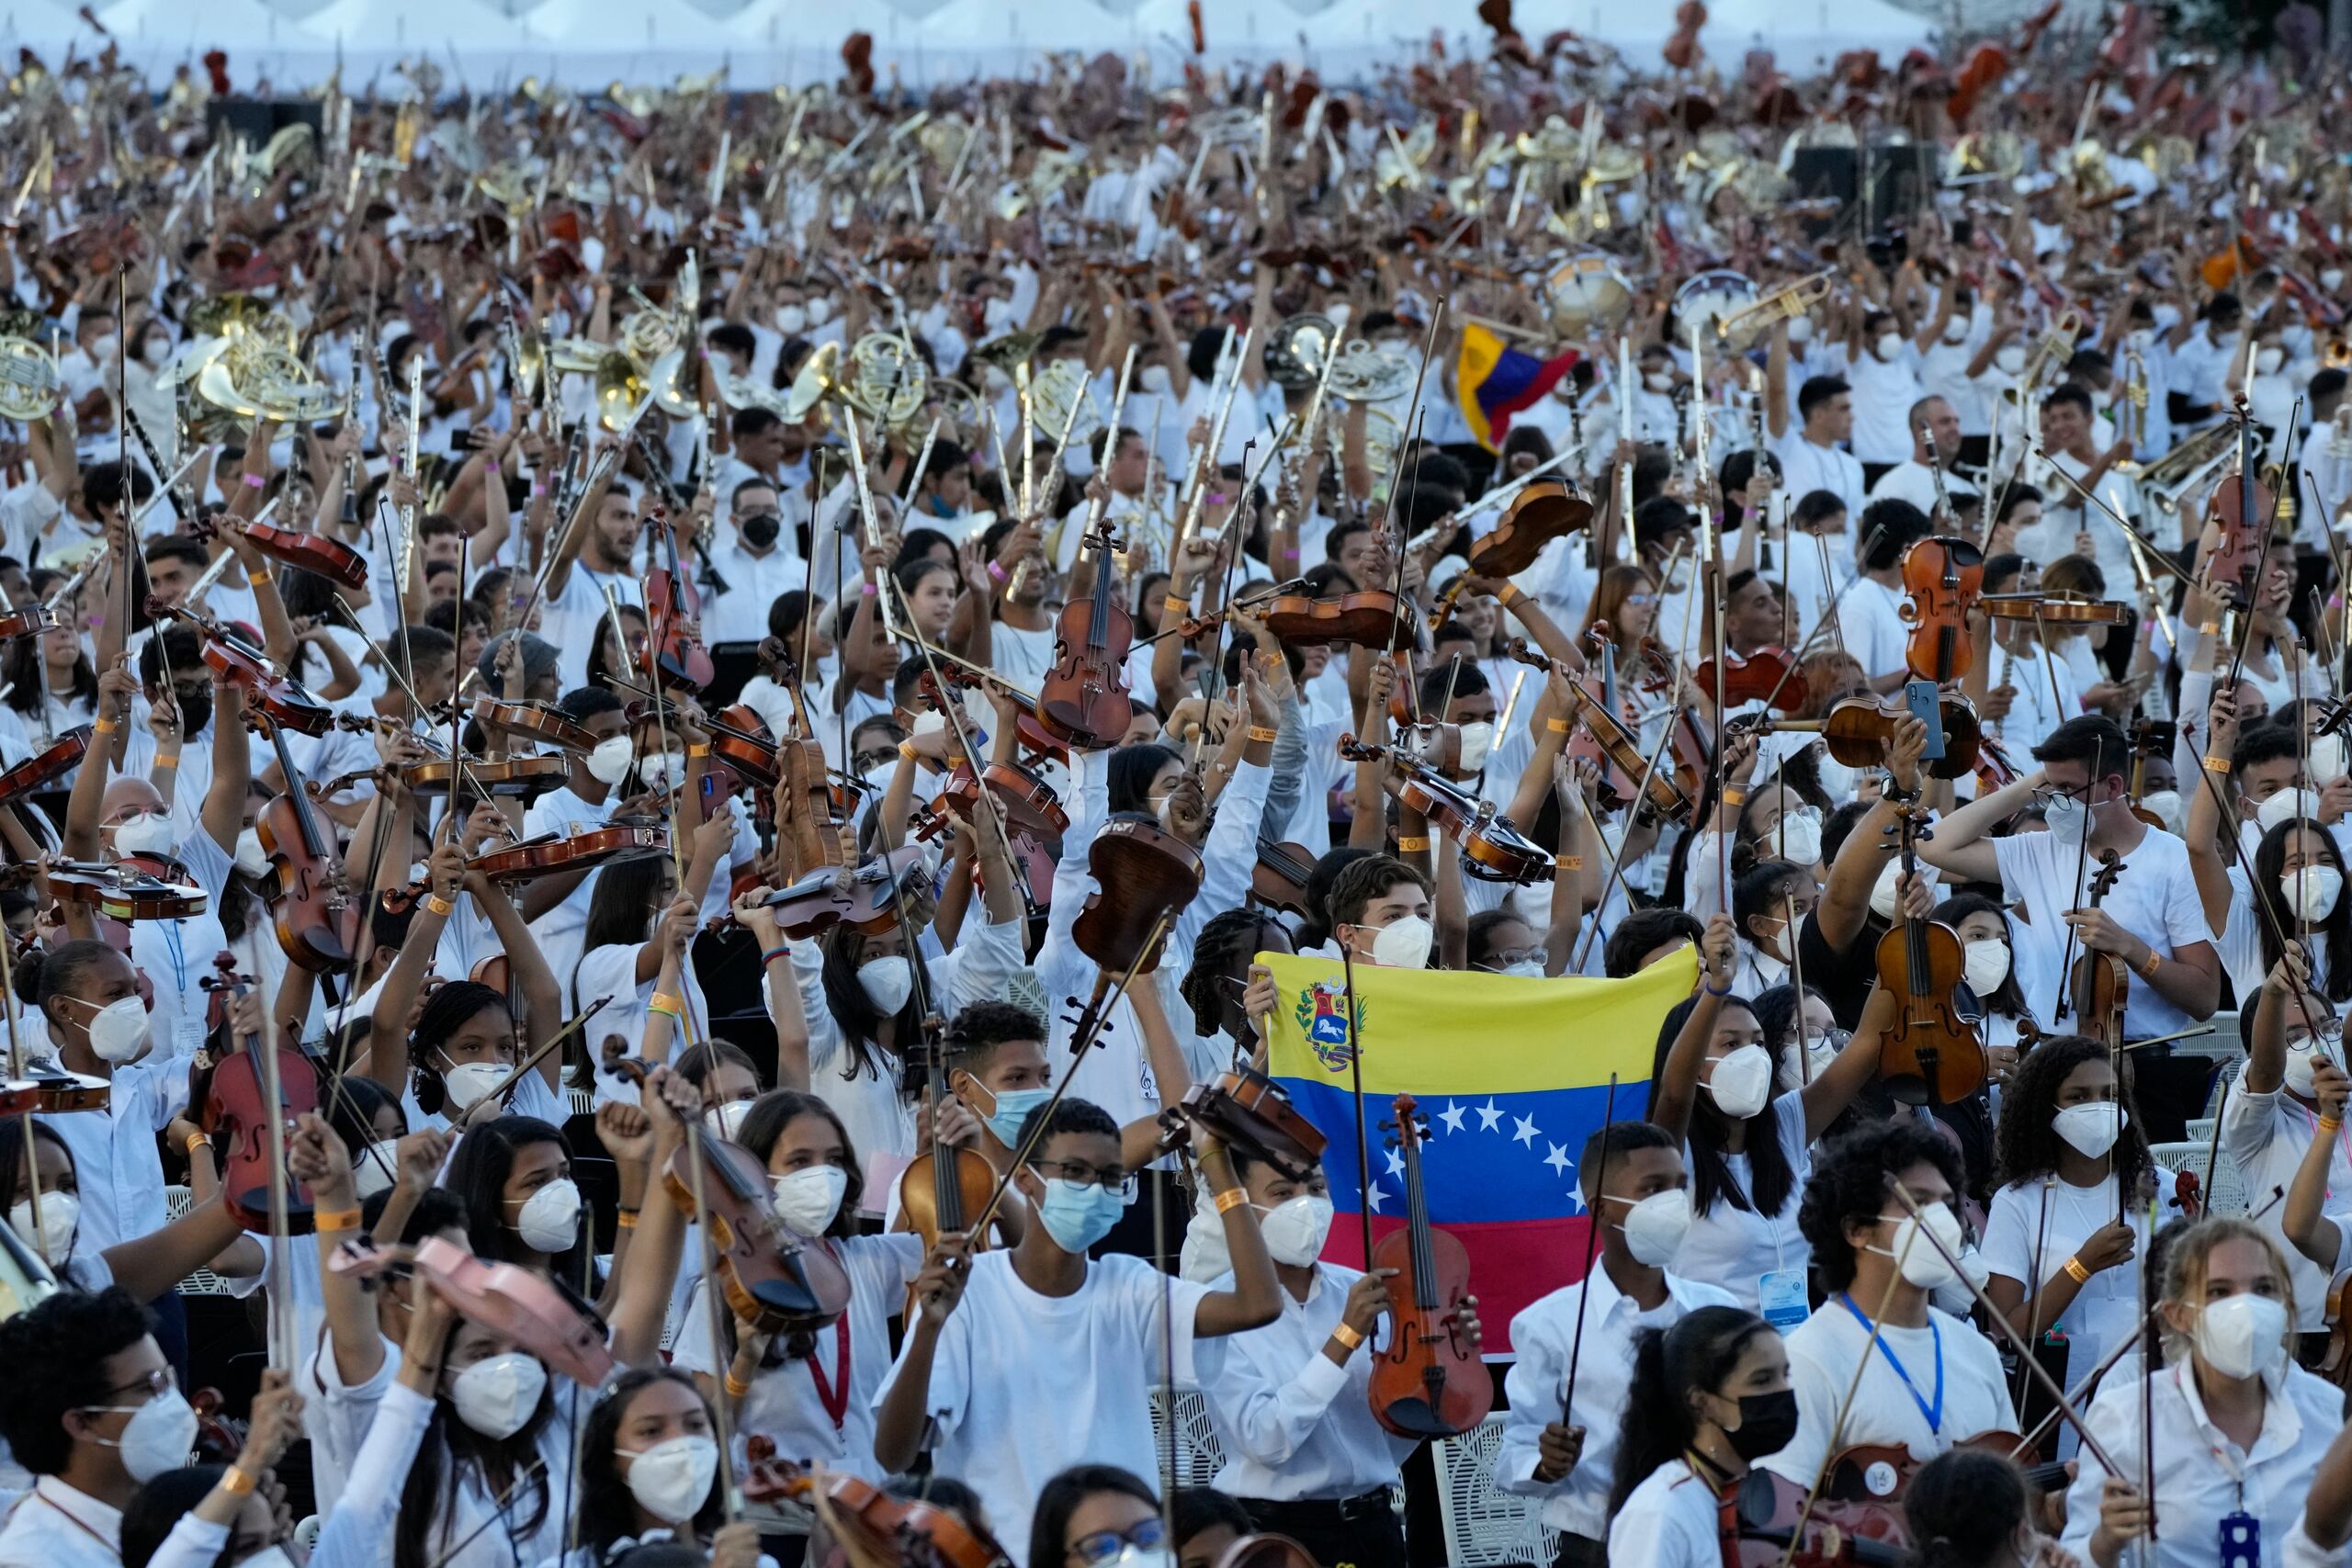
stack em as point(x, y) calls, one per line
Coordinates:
point(1934, 1413)
point(179, 957)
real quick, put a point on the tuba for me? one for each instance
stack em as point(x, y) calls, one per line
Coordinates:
point(29, 381)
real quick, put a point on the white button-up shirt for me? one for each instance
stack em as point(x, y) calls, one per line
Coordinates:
point(53, 1526)
point(1295, 1426)
point(1543, 1334)
point(2201, 1473)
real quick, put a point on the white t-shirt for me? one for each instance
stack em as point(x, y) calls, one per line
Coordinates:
point(1870, 617)
point(1808, 467)
point(1947, 1370)
point(1885, 392)
point(1098, 1351)
point(1671, 1520)
point(2034, 1227)
point(2154, 898)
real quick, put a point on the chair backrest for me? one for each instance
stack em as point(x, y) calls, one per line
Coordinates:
point(204, 1282)
point(1483, 1524)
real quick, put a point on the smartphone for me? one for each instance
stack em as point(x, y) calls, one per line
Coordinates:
point(1920, 696)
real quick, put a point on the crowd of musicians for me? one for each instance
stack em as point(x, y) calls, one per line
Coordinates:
point(653, 750)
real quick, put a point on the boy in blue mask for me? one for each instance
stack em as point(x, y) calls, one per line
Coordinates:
point(994, 1330)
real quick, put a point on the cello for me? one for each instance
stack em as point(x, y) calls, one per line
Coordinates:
point(1928, 1055)
point(1428, 1382)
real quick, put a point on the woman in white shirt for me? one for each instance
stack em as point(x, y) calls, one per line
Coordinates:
point(2059, 1242)
point(649, 1468)
point(1710, 1396)
point(2237, 1428)
point(1989, 959)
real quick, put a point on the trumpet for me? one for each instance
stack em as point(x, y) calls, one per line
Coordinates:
point(2172, 478)
point(2056, 347)
point(2135, 408)
point(1740, 330)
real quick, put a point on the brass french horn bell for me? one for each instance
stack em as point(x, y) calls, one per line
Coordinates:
point(1295, 349)
point(621, 392)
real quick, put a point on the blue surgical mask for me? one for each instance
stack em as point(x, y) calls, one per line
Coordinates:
point(1078, 1214)
point(1012, 1108)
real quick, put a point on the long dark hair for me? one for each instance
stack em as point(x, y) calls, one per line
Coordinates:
point(621, 910)
point(11, 1151)
point(860, 1025)
point(1694, 1355)
point(445, 1012)
point(1964, 1507)
point(604, 1498)
point(478, 1174)
point(1058, 1503)
point(500, 1463)
point(2269, 865)
point(28, 672)
point(769, 1116)
point(2026, 1144)
point(1770, 1177)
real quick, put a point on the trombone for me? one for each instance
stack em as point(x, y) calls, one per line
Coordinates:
point(1744, 326)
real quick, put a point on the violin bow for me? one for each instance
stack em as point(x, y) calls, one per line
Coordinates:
point(457, 758)
point(2155, 553)
point(1591, 1249)
point(506, 1086)
point(2067, 960)
point(1417, 418)
point(1828, 621)
point(1796, 978)
point(25, 1122)
point(1356, 1083)
point(1617, 855)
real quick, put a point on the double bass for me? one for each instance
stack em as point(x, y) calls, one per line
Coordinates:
point(1428, 1382)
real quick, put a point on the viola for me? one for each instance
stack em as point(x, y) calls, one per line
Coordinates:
point(674, 655)
point(1366, 618)
point(1768, 675)
point(874, 1526)
point(1493, 850)
point(771, 1276)
point(1083, 699)
point(250, 1130)
point(330, 559)
point(1928, 1055)
point(1941, 578)
point(318, 920)
point(1279, 878)
point(866, 898)
point(540, 1313)
point(2100, 983)
point(945, 1186)
point(53, 760)
point(2241, 506)
point(1858, 729)
point(553, 854)
point(277, 697)
point(1245, 1110)
point(1428, 1382)
point(534, 721)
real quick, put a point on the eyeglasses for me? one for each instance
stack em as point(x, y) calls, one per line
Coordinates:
point(154, 1384)
point(1105, 1545)
point(1080, 1173)
point(1509, 956)
point(2047, 794)
point(1641, 598)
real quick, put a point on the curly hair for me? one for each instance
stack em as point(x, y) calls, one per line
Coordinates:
point(2027, 1145)
point(1224, 946)
point(1851, 1177)
point(1963, 1506)
point(56, 1353)
point(978, 1028)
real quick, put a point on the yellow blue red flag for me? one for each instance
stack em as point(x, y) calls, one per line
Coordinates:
point(1493, 383)
point(1509, 1077)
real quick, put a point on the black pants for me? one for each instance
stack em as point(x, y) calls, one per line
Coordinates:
point(1579, 1551)
point(1358, 1530)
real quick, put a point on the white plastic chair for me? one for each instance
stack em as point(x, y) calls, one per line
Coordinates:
point(204, 1282)
point(1484, 1525)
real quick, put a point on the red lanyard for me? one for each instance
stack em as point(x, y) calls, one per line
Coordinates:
point(834, 1393)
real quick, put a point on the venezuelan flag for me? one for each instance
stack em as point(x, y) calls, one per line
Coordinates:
point(1494, 383)
point(1510, 1075)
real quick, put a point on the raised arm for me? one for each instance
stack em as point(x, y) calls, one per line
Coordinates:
point(1678, 1088)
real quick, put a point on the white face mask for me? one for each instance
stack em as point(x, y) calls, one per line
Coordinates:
point(1801, 329)
point(2243, 1337)
point(608, 763)
point(726, 1121)
point(1883, 890)
point(1477, 739)
point(466, 1084)
point(2311, 892)
point(2011, 360)
point(550, 1219)
point(1984, 964)
point(2267, 360)
point(2068, 819)
point(102, 350)
point(2331, 278)
point(1836, 776)
point(791, 320)
point(252, 859)
point(1741, 1083)
point(821, 310)
point(1798, 837)
point(887, 983)
point(1658, 381)
point(119, 1030)
point(59, 1213)
point(149, 833)
point(2301, 1057)
point(1956, 331)
point(1295, 1229)
point(2092, 1127)
point(496, 1395)
point(1404, 944)
point(1917, 1255)
point(2285, 807)
point(375, 1169)
point(2326, 761)
point(158, 1436)
point(2165, 804)
point(2142, 339)
point(1889, 344)
point(1526, 969)
point(672, 1480)
point(808, 1200)
point(659, 769)
point(1156, 380)
point(154, 351)
point(1655, 1227)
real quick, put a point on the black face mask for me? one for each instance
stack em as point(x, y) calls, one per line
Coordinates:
point(761, 529)
point(196, 706)
point(1768, 1422)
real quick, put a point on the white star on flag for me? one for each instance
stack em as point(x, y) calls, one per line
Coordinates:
point(1452, 1116)
point(1490, 1115)
point(1558, 1160)
point(1524, 1131)
point(1374, 1196)
point(1396, 1165)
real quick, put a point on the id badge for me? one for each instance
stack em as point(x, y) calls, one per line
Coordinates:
point(2241, 1540)
point(1780, 1298)
point(187, 1034)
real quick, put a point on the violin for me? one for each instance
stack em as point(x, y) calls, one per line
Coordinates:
point(240, 1116)
point(1279, 878)
point(127, 889)
point(2056, 609)
point(864, 898)
point(2100, 983)
point(874, 1527)
point(1858, 729)
point(552, 854)
point(60, 755)
point(318, 920)
point(330, 558)
point(1035, 738)
point(2243, 507)
point(1871, 1473)
point(1145, 874)
point(1492, 849)
point(534, 721)
point(1026, 803)
point(1245, 1110)
point(1930, 1055)
point(945, 1186)
point(1941, 578)
point(1768, 675)
point(674, 655)
point(2336, 1362)
point(54, 1090)
point(1761, 1516)
point(1546, 510)
point(279, 698)
point(740, 742)
point(1366, 618)
point(2149, 737)
point(520, 778)
point(539, 1312)
point(1669, 792)
point(771, 1278)
point(1428, 1382)
point(1083, 699)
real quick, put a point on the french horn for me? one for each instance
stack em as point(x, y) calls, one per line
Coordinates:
point(28, 379)
point(1363, 375)
point(1295, 349)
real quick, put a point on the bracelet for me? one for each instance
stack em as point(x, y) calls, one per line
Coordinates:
point(771, 954)
point(906, 753)
point(2209, 628)
point(1567, 863)
point(2076, 1272)
point(1713, 992)
point(736, 1387)
point(2331, 1125)
point(1262, 732)
point(1558, 725)
point(1348, 1337)
point(255, 482)
point(665, 1004)
point(1508, 595)
point(869, 590)
point(997, 575)
point(1232, 1198)
point(2155, 962)
point(624, 1219)
point(1409, 843)
point(1735, 796)
point(106, 726)
point(258, 579)
point(336, 1219)
point(1177, 602)
point(238, 1482)
point(197, 1141)
point(702, 750)
point(438, 905)
point(2216, 764)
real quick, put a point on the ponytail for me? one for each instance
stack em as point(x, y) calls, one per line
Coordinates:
point(1692, 1356)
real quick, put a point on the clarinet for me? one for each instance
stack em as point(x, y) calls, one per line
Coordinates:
point(155, 461)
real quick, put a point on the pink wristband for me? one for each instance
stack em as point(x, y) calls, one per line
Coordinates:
point(997, 575)
point(255, 482)
point(870, 591)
